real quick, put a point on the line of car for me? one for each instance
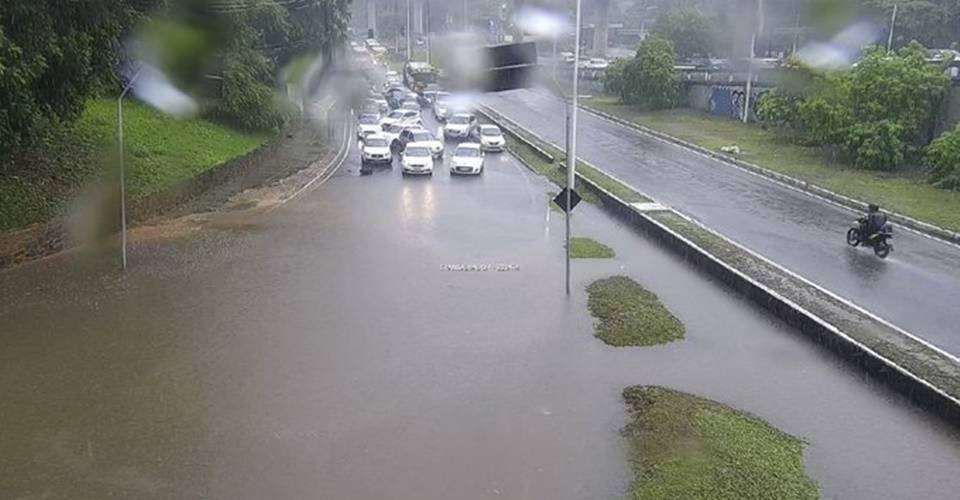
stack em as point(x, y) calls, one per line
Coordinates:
point(401, 132)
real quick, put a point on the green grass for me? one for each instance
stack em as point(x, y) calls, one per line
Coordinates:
point(629, 315)
point(904, 192)
point(40, 183)
point(586, 248)
point(682, 446)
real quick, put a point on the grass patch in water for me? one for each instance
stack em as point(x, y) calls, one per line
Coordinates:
point(683, 446)
point(586, 248)
point(630, 315)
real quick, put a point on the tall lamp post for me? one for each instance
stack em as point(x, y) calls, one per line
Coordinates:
point(572, 134)
point(753, 54)
point(123, 181)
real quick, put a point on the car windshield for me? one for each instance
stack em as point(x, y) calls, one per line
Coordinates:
point(375, 142)
point(490, 132)
point(368, 119)
point(417, 151)
point(467, 152)
point(395, 114)
point(393, 129)
point(460, 120)
point(422, 136)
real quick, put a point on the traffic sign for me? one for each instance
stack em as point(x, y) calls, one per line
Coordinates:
point(561, 200)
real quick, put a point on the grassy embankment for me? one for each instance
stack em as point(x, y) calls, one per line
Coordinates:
point(682, 446)
point(630, 315)
point(904, 192)
point(40, 183)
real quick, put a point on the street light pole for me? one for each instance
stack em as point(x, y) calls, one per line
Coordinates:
point(572, 134)
point(409, 39)
point(893, 24)
point(753, 54)
point(123, 181)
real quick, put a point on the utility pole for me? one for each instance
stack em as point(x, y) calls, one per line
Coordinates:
point(123, 180)
point(753, 54)
point(409, 39)
point(893, 25)
point(572, 134)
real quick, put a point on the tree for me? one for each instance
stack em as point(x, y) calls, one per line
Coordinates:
point(613, 77)
point(943, 159)
point(53, 55)
point(879, 114)
point(690, 31)
point(931, 22)
point(649, 79)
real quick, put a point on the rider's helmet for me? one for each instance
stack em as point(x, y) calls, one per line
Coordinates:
point(873, 208)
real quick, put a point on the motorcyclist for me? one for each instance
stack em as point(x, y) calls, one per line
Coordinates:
point(875, 220)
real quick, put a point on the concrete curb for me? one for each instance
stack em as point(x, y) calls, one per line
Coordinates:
point(837, 198)
point(897, 377)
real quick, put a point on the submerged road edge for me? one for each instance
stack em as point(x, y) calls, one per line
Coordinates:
point(925, 374)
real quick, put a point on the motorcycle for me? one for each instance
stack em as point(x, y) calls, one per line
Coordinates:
point(880, 241)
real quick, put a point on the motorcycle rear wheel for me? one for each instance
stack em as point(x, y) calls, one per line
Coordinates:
point(853, 237)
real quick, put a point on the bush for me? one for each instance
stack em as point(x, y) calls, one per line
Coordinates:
point(613, 77)
point(879, 114)
point(943, 158)
point(650, 79)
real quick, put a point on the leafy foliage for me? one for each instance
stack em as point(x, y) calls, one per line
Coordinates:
point(650, 79)
point(53, 55)
point(943, 158)
point(690, 31)
point(613, 77)
point(879, 114)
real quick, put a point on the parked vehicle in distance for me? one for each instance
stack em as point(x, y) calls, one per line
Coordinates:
point(368, 122)
point(375, 149)
point(491, 138)
point(467, 159)
point(597, 63)
point(567, 57)
point(460, 126)
point(420, 136)
point(416, 159)
point(411, 105)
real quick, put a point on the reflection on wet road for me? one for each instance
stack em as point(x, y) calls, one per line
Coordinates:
point(917, 288)
point(324, 352)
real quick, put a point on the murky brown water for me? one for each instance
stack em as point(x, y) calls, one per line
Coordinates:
point(325, 353)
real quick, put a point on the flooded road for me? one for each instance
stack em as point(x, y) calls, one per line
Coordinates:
point(323, 351)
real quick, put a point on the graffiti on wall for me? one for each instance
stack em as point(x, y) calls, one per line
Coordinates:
point(728, 101)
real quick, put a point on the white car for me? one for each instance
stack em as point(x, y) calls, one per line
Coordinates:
point(441, 108)
point(423, 137)
point(368, 123)
point(401, 116)
point(467, 159)
point(491, 138)
point(459, 126)
point(392, 132)
point(375, 148)
point(417, 159)
point(597, 63)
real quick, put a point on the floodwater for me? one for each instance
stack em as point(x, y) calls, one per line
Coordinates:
point(917, 287)
point(323, 351)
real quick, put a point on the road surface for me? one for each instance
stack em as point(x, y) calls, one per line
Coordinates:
point(322, 351)
point(916, 288)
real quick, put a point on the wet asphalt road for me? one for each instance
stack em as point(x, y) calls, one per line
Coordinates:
point(916, 288)
point(321, 351)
